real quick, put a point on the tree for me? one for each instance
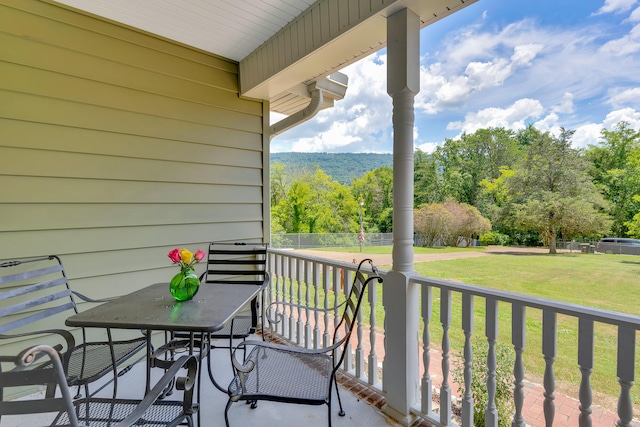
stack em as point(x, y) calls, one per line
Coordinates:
point(616, 169)
point(316, 204)
point(431, 223)
point(451, 222)
point(551, 192)
point(467, 161)
point(467, 222)
point(375, 189)
point(428, 185)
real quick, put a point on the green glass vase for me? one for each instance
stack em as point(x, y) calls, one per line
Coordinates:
point(184, 285)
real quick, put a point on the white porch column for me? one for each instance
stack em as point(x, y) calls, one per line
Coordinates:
point(400, 298)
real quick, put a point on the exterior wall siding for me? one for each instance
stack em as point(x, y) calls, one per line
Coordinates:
point(116, 146)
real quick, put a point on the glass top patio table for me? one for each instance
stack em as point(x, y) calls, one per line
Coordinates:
point(154, 308)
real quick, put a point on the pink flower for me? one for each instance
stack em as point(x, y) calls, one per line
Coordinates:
point(174, 255)
point(200, 254)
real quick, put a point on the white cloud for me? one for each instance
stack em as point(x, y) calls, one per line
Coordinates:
point(441, 90)
point(625, 97)
point(565, 105)
point(547, 123)
point(625, 45)
point(585, 135)
point(428, 147)
point(524, 54)
point(615, 6)
point(511, 117)
point(628, 115)
point(589, 133)
point(635, 15)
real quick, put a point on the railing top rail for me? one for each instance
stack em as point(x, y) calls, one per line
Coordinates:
point(575, 310)
point(333, 263)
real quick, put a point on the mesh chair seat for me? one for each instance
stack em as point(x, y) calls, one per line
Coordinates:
point(308, 377)
point(92, 360)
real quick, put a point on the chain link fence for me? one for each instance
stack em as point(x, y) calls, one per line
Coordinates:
point(328, 240)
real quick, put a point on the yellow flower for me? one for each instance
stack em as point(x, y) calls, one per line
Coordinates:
point(186, 256)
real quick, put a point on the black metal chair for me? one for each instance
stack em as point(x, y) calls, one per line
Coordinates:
point(92, 411)
point(35, 293)
point(235, 263)
point(286, 373)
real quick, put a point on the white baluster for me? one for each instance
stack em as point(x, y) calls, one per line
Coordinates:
point(585, 361)
point(549, 344)
point(326, 286)
point(427, 311)
point(626, 360)
point(359, 349)
point(347, 363)
point(338, 283)
point(491, 413)
point(445, 389)
point(519, 330)
point(372, 290)
point(467, 327)
point(316, 304)
point(300, 325)
point(293, 336)
point(307, 301)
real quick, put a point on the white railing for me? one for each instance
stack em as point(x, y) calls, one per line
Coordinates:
point(317, 282)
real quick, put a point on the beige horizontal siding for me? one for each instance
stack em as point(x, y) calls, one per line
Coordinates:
point(117, 146)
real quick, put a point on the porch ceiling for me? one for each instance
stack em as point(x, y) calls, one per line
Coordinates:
point(304, 40)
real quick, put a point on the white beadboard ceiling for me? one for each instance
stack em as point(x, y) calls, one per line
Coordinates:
point(229, 28)
point(339, 32)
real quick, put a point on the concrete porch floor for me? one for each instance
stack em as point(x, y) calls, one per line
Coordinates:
point(360, 410)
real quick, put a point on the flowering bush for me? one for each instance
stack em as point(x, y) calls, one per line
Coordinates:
point(185, 258)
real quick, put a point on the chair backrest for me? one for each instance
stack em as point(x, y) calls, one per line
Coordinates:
point(33, 290)
point(19, 374)
point(236, 263)
point(352, 304)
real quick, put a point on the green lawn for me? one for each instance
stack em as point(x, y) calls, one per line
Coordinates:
point(387, 249)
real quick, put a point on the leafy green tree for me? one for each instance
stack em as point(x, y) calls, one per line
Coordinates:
point(616, 169)
point(464, 163)
point(278, 181)
point(431, 223)
point(551, 191)
point(467, 222)
point(428, 183)
point(375, 190)
point(451, 222)
point(317, 204)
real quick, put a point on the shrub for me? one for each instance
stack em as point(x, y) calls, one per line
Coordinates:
point(494, 238)
point(504, 377)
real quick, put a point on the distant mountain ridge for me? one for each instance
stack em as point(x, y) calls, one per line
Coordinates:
point(342, 167)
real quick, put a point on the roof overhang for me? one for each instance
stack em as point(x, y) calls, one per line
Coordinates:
point(282, 47)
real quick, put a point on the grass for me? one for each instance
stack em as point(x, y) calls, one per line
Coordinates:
point(387, 249)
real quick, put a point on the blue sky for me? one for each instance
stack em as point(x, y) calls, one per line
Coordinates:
point(496, 63)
